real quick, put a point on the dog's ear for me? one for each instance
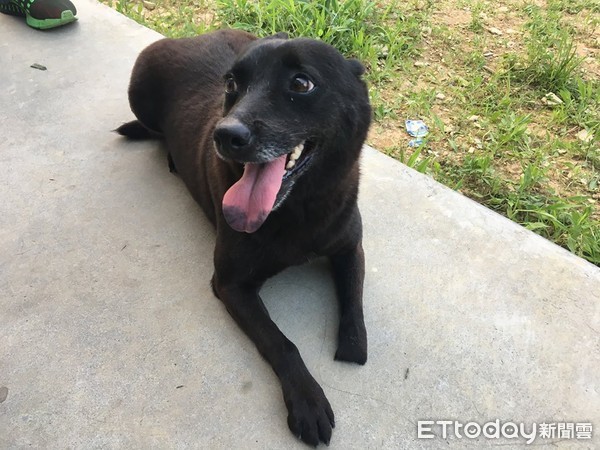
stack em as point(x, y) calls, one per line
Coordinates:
point(355, 67)
point(280, 35)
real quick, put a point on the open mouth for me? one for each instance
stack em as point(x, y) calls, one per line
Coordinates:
point(298, 158)
point(263, 187)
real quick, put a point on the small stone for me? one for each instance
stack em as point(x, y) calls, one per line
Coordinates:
point(471, 150)
point(382, 51)
point(551, 99)
point(440, 96)
point(420, 64)
point(585, 136)
point(149, 5)
point(460, 80)
point(473, 118)
point(495, 31)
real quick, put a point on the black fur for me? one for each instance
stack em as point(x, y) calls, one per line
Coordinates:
point(178, 90)
point(135, 130)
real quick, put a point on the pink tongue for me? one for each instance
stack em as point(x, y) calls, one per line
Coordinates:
point(248, 202)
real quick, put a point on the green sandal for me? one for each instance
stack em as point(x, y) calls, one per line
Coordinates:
point(42, 14)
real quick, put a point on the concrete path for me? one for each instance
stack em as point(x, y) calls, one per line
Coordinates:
point(110, 336)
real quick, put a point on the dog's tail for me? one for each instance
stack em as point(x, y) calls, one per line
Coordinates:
point(136, 131)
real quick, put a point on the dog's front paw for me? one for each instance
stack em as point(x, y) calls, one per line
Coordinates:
point(310, 416)
point(352, 343)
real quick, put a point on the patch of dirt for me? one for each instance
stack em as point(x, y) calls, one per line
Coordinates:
point(452, 17)
point(383, 136)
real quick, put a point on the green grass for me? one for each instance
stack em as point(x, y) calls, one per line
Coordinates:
point(380, 37)
point(508, 104)
point(491, 135)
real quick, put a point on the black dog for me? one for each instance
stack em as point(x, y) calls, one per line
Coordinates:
point(266, 134)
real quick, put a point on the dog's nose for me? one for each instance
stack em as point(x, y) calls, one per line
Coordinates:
point(232, 134)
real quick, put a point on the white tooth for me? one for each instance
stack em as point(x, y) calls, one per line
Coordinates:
point(294, 155)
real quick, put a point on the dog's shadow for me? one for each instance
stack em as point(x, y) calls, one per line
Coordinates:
point(302, 302)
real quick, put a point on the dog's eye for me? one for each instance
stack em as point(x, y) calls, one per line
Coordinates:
point(301, 84)
point(230, 84)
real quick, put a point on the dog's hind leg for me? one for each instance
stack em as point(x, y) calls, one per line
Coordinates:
point(147, 84)
point(349, 273)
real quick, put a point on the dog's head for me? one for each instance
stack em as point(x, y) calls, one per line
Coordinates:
point(293, 109)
